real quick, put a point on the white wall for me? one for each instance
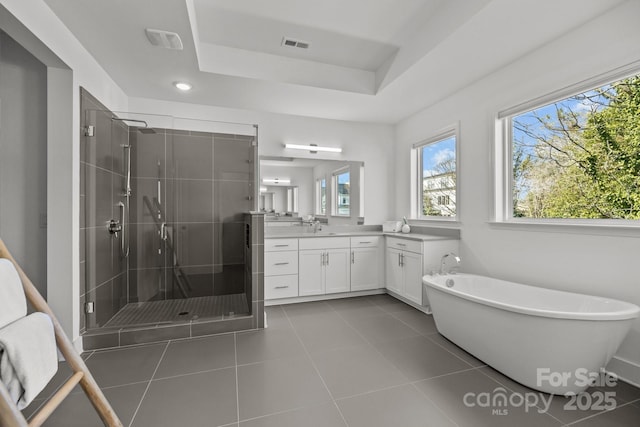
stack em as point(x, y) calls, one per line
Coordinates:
point(70, 66)
point(370, 143)
point(23, 159)
point(604, 265)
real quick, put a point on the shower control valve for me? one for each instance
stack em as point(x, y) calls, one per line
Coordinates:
point(114, 227)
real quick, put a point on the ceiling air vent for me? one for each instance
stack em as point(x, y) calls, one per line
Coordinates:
point(165, 39)
point(288, 41)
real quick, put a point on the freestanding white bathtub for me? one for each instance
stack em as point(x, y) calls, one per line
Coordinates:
point(548, 340)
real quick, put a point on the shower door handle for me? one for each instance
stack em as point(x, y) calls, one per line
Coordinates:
point(124, 237)
point(163, 231)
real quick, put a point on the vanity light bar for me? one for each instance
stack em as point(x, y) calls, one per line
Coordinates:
point(276, 180)
point(313, 147)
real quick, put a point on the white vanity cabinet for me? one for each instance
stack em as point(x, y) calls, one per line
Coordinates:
point(367, 268)
point(280, 268)
point(301, 269)
point(324, 264)
point(406, 261)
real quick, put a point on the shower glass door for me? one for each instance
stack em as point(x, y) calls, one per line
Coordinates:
point(104, 214)
point(163, 202)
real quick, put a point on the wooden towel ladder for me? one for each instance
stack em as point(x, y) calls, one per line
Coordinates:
point(10, 415)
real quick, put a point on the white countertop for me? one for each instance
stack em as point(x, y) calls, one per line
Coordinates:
point(311, 234)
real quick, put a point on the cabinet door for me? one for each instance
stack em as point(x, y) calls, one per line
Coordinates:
point(310, 279)
point(393, 271)
point(364, 269)
point(336, 271)
point(412, 269)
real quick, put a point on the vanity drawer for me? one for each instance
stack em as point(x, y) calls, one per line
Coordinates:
point(405, 244)
point(324, 243)
point(277, 263)
point(281, 286)
point(272, 245)
point(365, 241)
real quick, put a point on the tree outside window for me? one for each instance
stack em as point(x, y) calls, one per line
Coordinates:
point(579, 157)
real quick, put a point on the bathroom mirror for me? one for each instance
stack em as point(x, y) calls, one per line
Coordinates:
point(267, 201)
point(279, 199)
point(293, 188)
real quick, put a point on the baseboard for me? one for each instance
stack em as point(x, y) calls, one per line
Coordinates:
point(324, 297)
point(626, 370)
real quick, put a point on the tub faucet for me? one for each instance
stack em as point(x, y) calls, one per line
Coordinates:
point(443, 262)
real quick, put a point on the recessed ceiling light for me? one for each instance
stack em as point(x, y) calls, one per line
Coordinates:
point(183, 86)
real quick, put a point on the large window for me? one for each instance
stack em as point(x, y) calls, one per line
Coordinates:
point(437, 176)
point(342, 192)
point(578, 157)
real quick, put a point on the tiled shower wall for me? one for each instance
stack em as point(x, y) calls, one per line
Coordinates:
point(102, 268)
point(204, 183)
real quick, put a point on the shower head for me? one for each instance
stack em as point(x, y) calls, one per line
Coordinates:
point(141, 125)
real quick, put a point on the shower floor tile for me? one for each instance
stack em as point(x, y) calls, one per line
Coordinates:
point(179, 310)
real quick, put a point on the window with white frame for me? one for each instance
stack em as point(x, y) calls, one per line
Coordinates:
point(437, 176)
point(321, 196)
point(341, 184)
point(573, 156)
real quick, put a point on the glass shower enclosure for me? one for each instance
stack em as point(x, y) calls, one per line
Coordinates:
point(164, 204)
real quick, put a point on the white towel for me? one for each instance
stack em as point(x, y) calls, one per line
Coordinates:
point(13, 304)
point(28, 357)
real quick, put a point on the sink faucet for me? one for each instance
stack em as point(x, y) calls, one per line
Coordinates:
point(443, 262)
point(316, 226)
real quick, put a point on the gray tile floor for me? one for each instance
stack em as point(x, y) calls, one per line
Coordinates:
point(369, 361)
